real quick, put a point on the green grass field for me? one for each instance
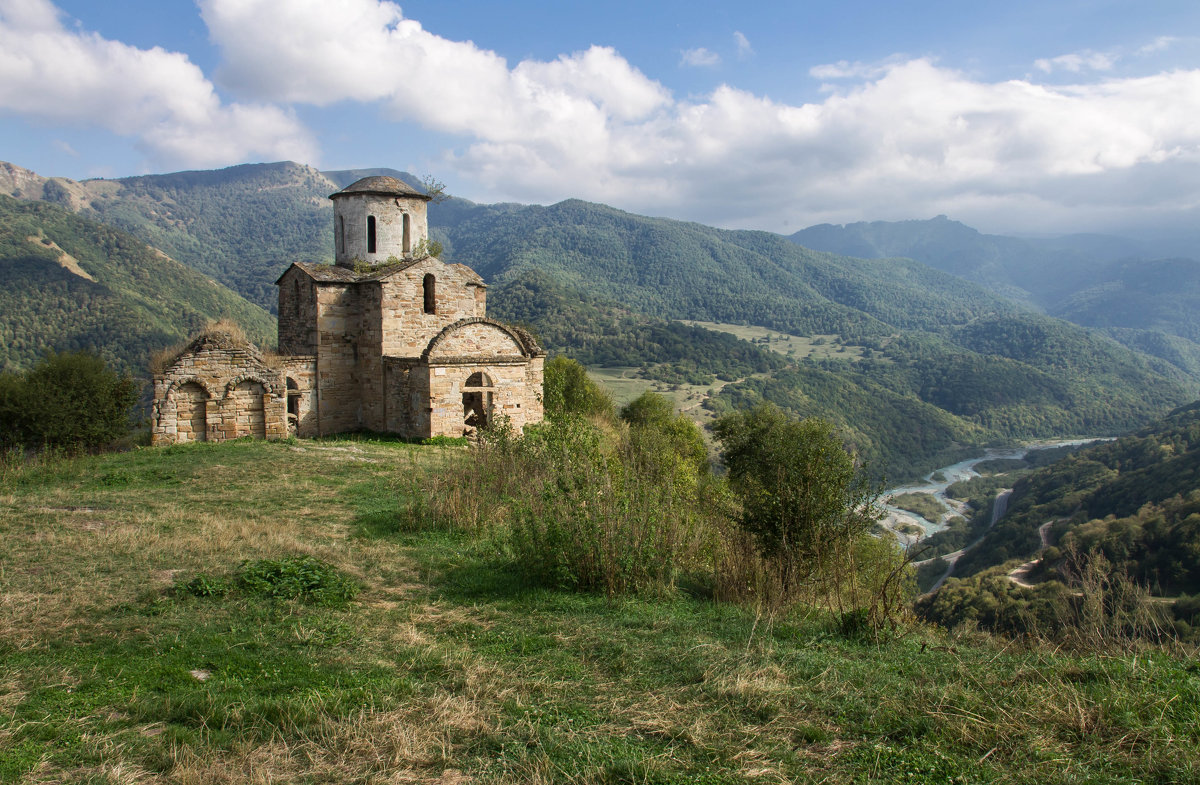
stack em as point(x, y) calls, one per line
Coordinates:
point(817, 347)
point(447, 669)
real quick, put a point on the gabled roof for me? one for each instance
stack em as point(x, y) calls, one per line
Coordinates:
point(381, 185)
point(469, 274)
point(329, 273)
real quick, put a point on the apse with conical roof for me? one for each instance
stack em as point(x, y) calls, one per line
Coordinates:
point(376, 219)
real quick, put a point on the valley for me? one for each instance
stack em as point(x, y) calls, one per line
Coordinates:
point(441, 596)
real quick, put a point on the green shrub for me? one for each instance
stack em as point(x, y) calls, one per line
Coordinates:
point(446, 441)
point(205, 585)
point(68, 401)
point(297, 578)
point(568, 390)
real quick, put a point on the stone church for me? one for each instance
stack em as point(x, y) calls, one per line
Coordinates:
point(387, 339)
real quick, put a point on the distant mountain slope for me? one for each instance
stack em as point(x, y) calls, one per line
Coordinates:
point(1157, 465)
point(242, 225)
point(70, 283)
point(683, 270)
point(1037, 271)
point(1091, 280)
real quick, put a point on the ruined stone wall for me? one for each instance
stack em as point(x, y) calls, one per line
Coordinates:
point(407, 329)
point(508, 389)
point(351, 211)
point(297, 313)
point(218, 389)
point(300, 376)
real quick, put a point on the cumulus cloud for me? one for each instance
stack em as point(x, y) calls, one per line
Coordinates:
point(159, 97)
point(894, 139)
point(699, 57)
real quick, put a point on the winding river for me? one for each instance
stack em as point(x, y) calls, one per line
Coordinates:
point(909, 527)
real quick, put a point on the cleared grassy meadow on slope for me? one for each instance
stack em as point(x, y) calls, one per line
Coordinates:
point(446, 668)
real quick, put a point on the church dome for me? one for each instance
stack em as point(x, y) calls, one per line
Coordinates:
point(380, 185)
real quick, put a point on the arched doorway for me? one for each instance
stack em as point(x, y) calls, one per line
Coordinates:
point(191, 420)
point(250, 414)
point(293, 407)
point(477, 401)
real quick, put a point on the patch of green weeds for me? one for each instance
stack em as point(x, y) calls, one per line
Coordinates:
point(304, 578)
point(446, 441)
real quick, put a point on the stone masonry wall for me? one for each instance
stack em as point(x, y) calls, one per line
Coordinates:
point(351, 211)
point(301, 371)
point(339, 326)
point(297, 313)
point(479, 339)
point(218, 389)
point(511, 394)
point(407, 329)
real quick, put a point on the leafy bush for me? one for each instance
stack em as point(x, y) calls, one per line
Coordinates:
point(446, 441)
point(297, 578)
point(568, 390)
point(68, 401)
point(804, 498)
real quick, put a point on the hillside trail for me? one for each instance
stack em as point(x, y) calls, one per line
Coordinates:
point(1020, 574)
point(704, 396)
point(999, 507)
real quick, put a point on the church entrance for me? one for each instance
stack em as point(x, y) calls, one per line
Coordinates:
point(477, 402)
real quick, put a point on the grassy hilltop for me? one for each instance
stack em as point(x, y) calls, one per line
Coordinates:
point(129, 652)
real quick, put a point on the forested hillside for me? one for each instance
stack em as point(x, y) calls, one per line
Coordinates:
point(1111, 283)
point(1119, 487)
point(70, 284)
point(242, 226)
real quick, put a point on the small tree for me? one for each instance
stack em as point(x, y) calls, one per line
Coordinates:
point(70, 401)
point(568, 390)
point(804, 498)
point(653, 421)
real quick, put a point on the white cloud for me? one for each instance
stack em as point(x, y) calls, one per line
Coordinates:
point(1077, 62)
point(901, 138)
point(159, 97)
point(699, 57)
point(1160, 44)
point(65, 147)
point(844, 69)
point(744, 49)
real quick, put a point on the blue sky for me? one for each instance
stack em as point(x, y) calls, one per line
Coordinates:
point(1012, 116)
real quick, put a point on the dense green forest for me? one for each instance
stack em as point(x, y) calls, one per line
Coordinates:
point(243, 225)
point(129, 300)
point(599, 333)
point(1110, 283)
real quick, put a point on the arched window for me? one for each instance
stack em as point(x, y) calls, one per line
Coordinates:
point(407, 241)
point(429, 285)
point(370, 234)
